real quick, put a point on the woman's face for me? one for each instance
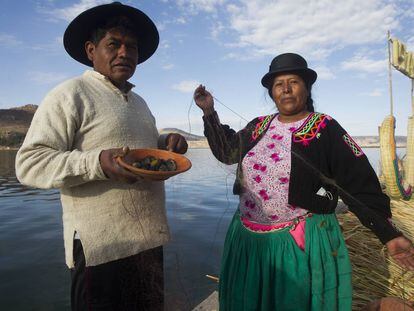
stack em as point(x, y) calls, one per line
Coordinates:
point(290, 94)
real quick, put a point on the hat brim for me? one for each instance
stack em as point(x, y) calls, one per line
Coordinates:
point(80, 30)
point(308, 75)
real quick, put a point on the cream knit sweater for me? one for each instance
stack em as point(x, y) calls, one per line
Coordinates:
point(77, 120)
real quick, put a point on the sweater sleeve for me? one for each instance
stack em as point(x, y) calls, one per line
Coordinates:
point(358, 184)
point(46, 159)
point(225, 143)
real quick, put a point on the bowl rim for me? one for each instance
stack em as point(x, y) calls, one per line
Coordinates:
point(148, 173)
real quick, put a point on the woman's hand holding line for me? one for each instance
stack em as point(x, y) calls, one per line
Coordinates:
point(204, 99)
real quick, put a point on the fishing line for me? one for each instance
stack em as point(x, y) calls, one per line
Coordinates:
point(230, 109)
point(176, 254)
point(220, 219)
point(219, 164)
point(177, 259)
point(207, 258)
point(188, 115)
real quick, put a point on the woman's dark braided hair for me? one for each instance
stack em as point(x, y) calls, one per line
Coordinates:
point(309, 100)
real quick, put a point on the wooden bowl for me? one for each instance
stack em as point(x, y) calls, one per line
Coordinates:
point(183, 164)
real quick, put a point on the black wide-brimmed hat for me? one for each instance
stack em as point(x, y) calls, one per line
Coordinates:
point(289, 63)
point(81, 28)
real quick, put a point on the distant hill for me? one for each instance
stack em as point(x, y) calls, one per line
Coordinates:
point(194, 141)
point(18, 118)
point(15, 122)
point(188, 136)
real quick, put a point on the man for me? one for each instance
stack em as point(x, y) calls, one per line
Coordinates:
point(114, 222)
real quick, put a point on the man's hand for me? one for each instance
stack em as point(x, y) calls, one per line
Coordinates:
point(176, 143)
point(112, 169)
point(401, 250)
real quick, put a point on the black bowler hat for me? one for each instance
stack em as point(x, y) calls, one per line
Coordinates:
point(81, 28)
point(289, 63)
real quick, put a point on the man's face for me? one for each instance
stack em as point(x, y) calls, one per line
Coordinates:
point(115, 56)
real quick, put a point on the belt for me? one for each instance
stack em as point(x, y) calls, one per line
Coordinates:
point(265, 228)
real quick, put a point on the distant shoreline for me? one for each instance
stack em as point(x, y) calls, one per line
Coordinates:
point(9, 148)
point(202, 145)
point(377, 146)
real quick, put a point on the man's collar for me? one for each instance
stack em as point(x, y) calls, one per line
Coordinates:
point(105, 79)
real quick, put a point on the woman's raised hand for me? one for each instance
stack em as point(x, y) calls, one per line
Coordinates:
point(204, 99)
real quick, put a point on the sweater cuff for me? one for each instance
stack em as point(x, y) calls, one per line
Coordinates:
point(93, 166)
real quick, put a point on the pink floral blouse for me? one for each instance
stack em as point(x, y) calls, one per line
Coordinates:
point(266, 169)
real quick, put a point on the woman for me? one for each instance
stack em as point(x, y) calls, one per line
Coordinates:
point(284, 249)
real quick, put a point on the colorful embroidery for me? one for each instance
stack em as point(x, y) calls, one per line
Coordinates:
point(261, 126)
point(310, 128)
point(357, 151)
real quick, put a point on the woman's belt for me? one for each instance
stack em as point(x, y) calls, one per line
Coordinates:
point(265, 228)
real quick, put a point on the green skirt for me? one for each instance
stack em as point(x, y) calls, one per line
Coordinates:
point(268, 271)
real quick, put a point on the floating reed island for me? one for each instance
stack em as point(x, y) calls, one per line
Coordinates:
point(375, 274)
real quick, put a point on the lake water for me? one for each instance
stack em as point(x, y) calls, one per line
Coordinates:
point(200, 204)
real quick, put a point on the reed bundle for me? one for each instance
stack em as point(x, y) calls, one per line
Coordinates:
point(395, 187)
point(375, 274)
point(409, 158)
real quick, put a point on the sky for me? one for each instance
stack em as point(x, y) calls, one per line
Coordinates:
point(227, 46)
